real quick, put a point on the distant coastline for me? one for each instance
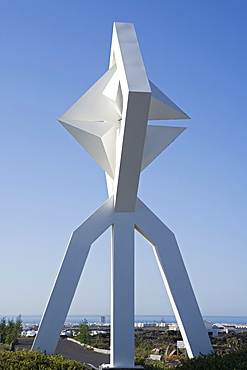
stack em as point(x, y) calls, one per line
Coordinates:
point(138, 318)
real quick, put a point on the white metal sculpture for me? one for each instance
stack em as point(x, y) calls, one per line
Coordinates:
point(110, 122)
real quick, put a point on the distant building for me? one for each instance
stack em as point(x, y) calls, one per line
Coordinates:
point(225, 328)
point(214, 329)
point(150, 324)
point(28, 333)
point(173, 326)
point(144, 325)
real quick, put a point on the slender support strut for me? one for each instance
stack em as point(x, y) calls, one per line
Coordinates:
point(176, 280)
point(122, 291)
point(68, 277)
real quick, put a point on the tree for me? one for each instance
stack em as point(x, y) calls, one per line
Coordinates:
point(84, 333)
point(2, 330)
point(10, 331)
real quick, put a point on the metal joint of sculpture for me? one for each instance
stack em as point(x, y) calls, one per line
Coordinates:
point(110, 122)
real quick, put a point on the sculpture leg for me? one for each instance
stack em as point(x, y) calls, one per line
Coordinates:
point(176, 280)
point(122, 291)
point(63, 291)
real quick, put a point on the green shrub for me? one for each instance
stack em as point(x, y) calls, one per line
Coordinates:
point(4, 347)
point(33, 360)
point(236, 344)
point(227, 361)
point(155, 365)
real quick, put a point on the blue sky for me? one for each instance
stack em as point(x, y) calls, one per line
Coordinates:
point(52, 52)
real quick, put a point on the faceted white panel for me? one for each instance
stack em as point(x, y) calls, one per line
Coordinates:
point(111, 88)
point(98, 139)
point(93, 105)
point(158, 138)
point(114, 93)
point(161, 107)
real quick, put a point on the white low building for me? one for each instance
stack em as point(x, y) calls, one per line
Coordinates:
point(144, 325)
point(28, 333)
point(215, 329)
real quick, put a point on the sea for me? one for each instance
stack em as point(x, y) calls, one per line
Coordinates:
point(35, 319)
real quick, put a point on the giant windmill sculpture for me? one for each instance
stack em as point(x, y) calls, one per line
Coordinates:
point(110, 122)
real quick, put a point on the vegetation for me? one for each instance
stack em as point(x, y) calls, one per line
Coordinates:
point(236, 344)
point(10, 331)
point(83, 335)
point(32, 360)
point(227, 361)
point(154, 365)
point(230, 350)
point(162, 342)
point(230, 353)
point(99, 341)
point(4, 347)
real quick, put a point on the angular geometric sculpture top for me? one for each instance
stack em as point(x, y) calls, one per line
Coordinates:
point(119, 105)
point(110, 122)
